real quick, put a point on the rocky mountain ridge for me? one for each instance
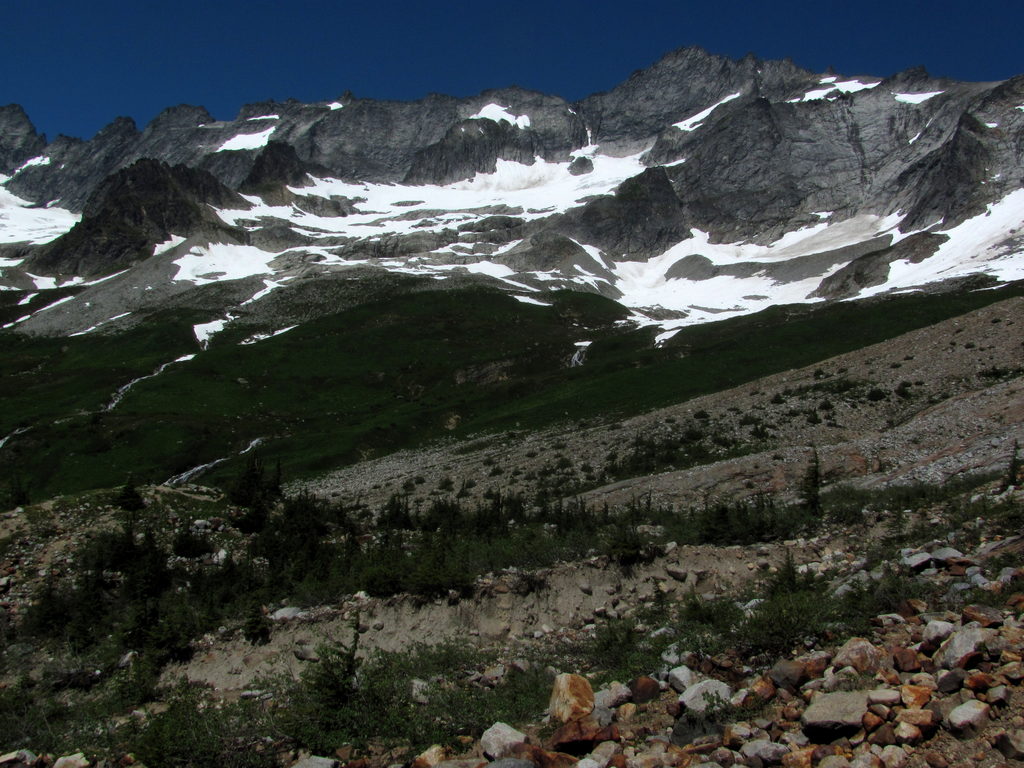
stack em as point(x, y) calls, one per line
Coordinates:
point(700, 188)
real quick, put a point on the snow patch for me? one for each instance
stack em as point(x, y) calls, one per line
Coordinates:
point(247, 141)
point(23, 222)
point(530, 300)
point(694, 122)
point(335, 105)
point(222, 261)
point(262, 336)
point(166, 245)
point(204, 331)
point(497, 113)
point(41, 160)
point(263, 117)
point(27, 299)
point(845, 86)
point(989, 243)
point(915, 98)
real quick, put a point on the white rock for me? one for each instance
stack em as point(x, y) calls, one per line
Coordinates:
point(894, 757)
point(699, 696)
point(970, 714)
point(681, 678)
point(936, 631)
point(498, 740)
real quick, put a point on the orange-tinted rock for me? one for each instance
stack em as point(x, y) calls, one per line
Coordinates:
point(980, 681)
point(905, 659)
point(799, 758)
point(870, 721)
point(544, 759)
point(763, 688)
point(618, 761)
point(915, 696)
point(816, 664)
point(925, 719)
point(571, 697)
point(430, 757)
point(644, 689)
point(983, 614)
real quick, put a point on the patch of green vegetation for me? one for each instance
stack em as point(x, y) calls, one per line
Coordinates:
point(408, 367)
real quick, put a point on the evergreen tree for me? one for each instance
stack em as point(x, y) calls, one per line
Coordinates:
point(1013, 469)
point(811, 486)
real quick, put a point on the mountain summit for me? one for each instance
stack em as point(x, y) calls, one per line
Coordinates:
point(698, 189)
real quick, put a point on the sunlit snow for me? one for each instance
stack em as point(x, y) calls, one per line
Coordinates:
point(222, 261)
point(538, 190)
point(645, 284)
point(20, 222)
point(204, 331)
point(694, 122)
point(247, 141)
point(264, 117)
point(844, 86)
point(983, 244)
point(166, 245)
point(497, 113)
point(915, 98)
point(41, 160)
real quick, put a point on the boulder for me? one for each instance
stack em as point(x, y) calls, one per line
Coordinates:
point(963, 647)
point(682, 677)
point(580, 736)
point(571, 698)
point(644, 689)
point(498, 740)
point(985, 615)
point(862, 656)
point(894, 757)
point(613, 695)
point(1011, 744)
point(76, 760)
point(768, 752)
point(936, 631)
point(915, 696)
point(971, 714)
point(788, 674)
point(700, 696)
point(832, 715)
point(430, 757)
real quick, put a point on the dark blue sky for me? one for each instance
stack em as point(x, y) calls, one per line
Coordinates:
point(75, 65)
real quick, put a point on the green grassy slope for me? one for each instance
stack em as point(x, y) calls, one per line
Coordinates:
point(388, 374)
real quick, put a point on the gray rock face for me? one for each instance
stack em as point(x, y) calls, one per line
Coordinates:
point(18, 139)
point(643, 218)
point(132, 211)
